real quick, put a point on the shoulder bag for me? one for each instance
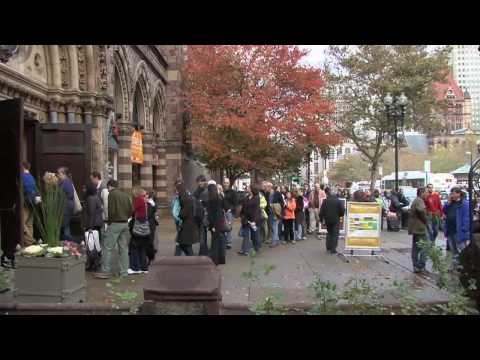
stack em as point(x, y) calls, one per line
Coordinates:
point(77, 206)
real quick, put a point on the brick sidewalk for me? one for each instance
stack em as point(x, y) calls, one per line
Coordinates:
point(295, 268)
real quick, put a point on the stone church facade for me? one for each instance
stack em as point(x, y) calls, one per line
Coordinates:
point(115, 89)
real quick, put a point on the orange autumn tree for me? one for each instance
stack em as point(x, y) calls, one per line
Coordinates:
point(254, 107)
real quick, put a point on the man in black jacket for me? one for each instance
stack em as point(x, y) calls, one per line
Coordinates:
point(201, 194)
point(230, 205)
point(331, 211)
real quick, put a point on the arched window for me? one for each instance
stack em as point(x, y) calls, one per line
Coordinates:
point(138, 115)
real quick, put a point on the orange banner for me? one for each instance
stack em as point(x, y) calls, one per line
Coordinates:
point(137, 148)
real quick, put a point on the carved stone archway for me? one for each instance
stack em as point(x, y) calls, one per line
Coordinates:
point(120, 70)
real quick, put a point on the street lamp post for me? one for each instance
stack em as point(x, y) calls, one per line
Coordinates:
point(396, 111)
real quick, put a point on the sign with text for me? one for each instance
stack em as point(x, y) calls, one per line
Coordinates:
point(363, 226)
point(137, 148)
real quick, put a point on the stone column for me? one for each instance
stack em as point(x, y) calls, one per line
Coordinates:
point(146, 180)
point(55, 61)
point(90, 68)
point(88, 106)
point(161, 179)
point(72, 53)
point(99, 155)
point(53, 112)
point(173, 159)
point(71, 110)
point(124, 155)
point(87, 115)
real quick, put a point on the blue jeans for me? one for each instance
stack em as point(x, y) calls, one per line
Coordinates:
point(455, 247)
point(250, 238)
point(275, 237)
point(419, 257)
point(433, 226)
point(298, 232)
point(228, 235)
point(65, 231)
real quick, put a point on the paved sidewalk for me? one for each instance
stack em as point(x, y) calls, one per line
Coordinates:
point(295, 268)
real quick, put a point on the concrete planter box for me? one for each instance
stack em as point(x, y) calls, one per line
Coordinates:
point(50, 280)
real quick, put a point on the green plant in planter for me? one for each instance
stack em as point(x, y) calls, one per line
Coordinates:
point(326, 295)
point(49, 213)
point(363, 298)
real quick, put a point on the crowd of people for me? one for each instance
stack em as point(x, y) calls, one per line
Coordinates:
point(269, 214)
point(121, 222)
point(427, 217)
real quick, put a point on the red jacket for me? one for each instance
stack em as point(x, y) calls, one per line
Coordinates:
point(140, 207)
point(433, 204)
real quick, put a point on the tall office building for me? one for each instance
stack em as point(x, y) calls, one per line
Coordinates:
point(465, 65)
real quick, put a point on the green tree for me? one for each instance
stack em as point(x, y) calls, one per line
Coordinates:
point(350, 168)
point(360, 77)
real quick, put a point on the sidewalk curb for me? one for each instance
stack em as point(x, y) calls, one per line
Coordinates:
point(58, 308)
point(305, 307)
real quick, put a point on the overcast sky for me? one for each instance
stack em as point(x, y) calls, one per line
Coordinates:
point(316, 56)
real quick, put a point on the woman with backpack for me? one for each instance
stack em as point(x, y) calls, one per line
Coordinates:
point(94, 224)
point(140, 235)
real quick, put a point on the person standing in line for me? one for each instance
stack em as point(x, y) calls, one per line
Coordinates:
point(267, 223)
point(153, 223)
point(316, 200)
point(250, 216)
point(230, 202)
point(117, 235)
point(283, 194)
point(404, 202)
point(216, 223)
point(201, 194)
point(138, 242)
point(299, 215)
point(276, 206)
point(102, 192)
point(175, 210)
point(434, 212)
point(397, 203)
point(188, 229)
point(67, 186)
point(417, 227)
point(30, 193)
point(306, 202)
point(263, 226)
point(94, 220)
point(457, 223)
point(331, 211)
point(289, 218)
